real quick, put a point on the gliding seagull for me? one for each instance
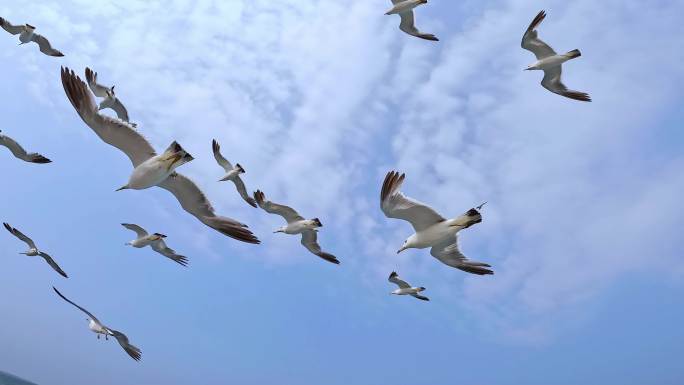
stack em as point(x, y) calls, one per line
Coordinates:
point(33, 250)
point(404, 8)
point(110, 99)
point(405, 288)
point(26, 35)
point(432, 230)
point(150, 169)
point(156, 241)
point(19, 151)
point(296, 224)
point(97, 327)
point(232, 173)
point(550, 62)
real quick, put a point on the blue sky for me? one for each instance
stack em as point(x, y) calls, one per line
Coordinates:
point(318, 100)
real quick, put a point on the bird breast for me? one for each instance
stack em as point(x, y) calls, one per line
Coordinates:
point(25, 36)
point(434, 234)
point(550, 62)
point(152, 172)
point(298, 227)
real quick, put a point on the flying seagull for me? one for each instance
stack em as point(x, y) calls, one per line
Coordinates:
point(19, 151)
point(97, 327)
point(156, 241)
point(27, 34)
point(232, 173)
point(110, 99)
point(431, 229)
point(33, 250)
point(150, 169)
point(405, 288)
point(296, 224)
point(550, 62)
point(404, 8)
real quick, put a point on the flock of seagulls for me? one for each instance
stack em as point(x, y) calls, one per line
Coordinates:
point(152, 169)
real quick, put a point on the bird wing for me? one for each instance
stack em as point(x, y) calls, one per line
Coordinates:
point(394, 278)
point(112, 131)
point(54, 264)
point(9, 27)
point(421, 297)
point(120, 109)
point(19, 151)
point(98, 89)
point(448, 253)
point(132, 351)
point(532, 43)
point(92, 317)
point(44, 45)
point(286, 212)
point(138, 230)
point(395, 2)
point(223, 162)
point(161, 248)
point(552, 82)
point(20, 235)
point(310, 241)
point(193, 200)
point(396, 205)
point(408, 25)
point(240, 185)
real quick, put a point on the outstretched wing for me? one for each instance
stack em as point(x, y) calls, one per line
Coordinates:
point(53, 264)
point(98, 89)
point(161, 248)
point(220, 159)
point(139, 231)
point(45, 46)
point(448, 253)
point(394, 278)
point(421, 297)
point(19, 151)
point(132, 351)
point(120, 109)
point(242, 190)
point(310, 241)
point(396, 205)
point(552, 82)
point(408, 25)
point(9, 27)
point(92, 317)
point(286, 212)
point(532, 43)
point(20, 235)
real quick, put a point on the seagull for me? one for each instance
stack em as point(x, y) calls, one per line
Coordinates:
point(156, 241)
point(33, 250)
point(233, 173)
point(404, 8)
point(431, 229)
point(97, 327)
point(550, 62)
point(405, 288)
point(110, 99)
point(150, 169)
point(19, 151)
point(296, 224)
point(26, 35)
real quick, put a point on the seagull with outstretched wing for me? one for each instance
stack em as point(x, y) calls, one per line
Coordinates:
point(232, 173)
point(27, 34)
point(431, 229)
point(156, 241)
point(296, 224)
point(19, 151)
point(33, 250)
point(110, 99)
point(550, 62)
point(150, 169)
point(98, 328)
point(405, 288)
point(404, 8)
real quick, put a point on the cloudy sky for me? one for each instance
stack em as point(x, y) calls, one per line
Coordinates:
point(318, 100)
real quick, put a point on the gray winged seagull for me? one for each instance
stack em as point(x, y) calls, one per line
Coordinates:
point(156, 241)
point(110, 99)
point(33, 250)
point(19, 151)
point(27, 34)
point(296, 224)
point(98, 328)
point(404, 8)
point(405, 288)
point(550, 62)
point(431, 229)
point(232, 173)
point(150, 169)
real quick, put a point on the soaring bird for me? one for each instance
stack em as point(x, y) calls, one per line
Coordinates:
point(27, 34)
point(296, 224)
point(405, 288)
point(550, 62)
point(150, 169)
point(404, 8)
point(156, 241)
point(19, 151)
point(33, 250)
point(232, 173)
point(98, 328)
point(110, 99)
point(431, 229)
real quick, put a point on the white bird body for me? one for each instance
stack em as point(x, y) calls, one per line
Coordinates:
point(300, 226)
point(405, 288)
point(550, 62)
point(33, 250)
point(232, 174)
point(405, 6)
point(96, 327)
point(408, 291)
point(156, 242)
point(139, 243)
point(436, 233)
point(26, 35)
point(158, 168)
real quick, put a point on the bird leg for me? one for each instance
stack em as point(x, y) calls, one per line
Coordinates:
point(98, 336)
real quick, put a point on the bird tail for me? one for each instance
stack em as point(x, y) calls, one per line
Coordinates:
point(231, 228)
point(573, 54)
point(478, 268)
